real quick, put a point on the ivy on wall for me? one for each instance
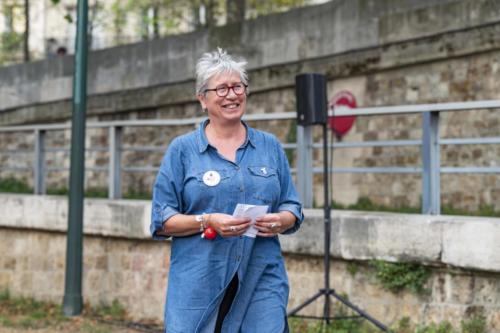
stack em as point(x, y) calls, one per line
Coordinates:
point(400, 276)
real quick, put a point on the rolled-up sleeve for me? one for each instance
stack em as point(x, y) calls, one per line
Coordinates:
point(167, 189)
point(289, 199)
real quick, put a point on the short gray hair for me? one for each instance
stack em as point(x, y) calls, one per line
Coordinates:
point(215, 63)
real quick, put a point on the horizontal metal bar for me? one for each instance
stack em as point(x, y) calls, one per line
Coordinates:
point(16, 151)
point(417, 108)
point(470, 169)
point(371, 170)
point(147, 122)
point(470, 141)
point(97, 168)
point(17, 168)
point(338, 111)
point(56, 149)
point(67, 150)
point(289, 145)
point(141, 169)
point(270, 116)
point(93, 168)
point(144, 148)
point(380, 143)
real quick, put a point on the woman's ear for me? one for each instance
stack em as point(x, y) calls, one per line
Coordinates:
point(201, 99)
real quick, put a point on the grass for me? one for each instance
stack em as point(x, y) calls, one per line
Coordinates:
point(27, 313)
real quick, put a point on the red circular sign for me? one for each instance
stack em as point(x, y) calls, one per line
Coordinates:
point(341, 125)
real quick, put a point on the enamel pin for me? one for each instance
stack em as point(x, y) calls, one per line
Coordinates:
point(211, 178)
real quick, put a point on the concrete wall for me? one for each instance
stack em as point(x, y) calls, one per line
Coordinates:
point(330, 29)
point(386, 52)
point(121, 262)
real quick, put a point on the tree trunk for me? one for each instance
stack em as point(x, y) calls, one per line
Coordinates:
point(235, 10)
point(210, 14)
point(156, 22)
point(26, 46)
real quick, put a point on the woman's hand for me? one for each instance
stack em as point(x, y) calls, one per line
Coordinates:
point(270, 225)
point(228, 226)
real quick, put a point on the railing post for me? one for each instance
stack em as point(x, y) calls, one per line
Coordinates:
point(114, 173)
point(431, 192)
point(304, 165)
point(39, 162)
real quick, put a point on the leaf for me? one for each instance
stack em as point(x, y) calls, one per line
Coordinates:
point(68, 18)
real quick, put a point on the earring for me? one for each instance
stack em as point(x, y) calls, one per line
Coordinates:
point(204, 109)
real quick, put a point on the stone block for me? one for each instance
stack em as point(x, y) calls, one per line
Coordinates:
point(404, 237)
point(472, 244)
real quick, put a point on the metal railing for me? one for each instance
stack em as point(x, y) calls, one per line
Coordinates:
point(430, 148)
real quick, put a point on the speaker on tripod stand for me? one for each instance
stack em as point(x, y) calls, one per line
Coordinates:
point(310, 92)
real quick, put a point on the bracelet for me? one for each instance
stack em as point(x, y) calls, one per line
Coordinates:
point(203, 221)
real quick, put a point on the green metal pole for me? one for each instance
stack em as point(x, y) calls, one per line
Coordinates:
point(73, 301)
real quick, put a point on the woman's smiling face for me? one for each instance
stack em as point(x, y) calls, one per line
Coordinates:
point(224, 109)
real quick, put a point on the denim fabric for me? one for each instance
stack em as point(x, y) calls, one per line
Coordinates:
point(201, 269)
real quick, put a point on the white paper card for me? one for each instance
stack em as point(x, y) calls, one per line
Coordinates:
point(251, 212)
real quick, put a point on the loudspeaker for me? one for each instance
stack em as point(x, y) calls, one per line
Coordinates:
point(310, 92)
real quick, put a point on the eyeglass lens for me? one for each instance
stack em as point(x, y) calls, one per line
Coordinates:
point(223, 90)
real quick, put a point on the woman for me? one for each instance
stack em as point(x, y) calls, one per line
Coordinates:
point(233, 283)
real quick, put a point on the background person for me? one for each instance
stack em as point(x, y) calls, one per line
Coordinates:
point(233, 283)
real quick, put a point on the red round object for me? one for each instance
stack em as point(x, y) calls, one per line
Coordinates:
point(209, 233)
point(342, 125)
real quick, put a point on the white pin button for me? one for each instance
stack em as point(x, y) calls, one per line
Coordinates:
point(264, 171)
point(211, 178)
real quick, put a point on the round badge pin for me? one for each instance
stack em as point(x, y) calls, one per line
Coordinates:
point(211, 178)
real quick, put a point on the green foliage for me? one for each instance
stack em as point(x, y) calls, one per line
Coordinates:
point(136, 195)
point(484, 210)
point(476, 324)
point(4, 295)
point(403, 326)
point(11, 46)
point(113, 311)
point(399, 276)
point(13, 185)
point(365, 204)
point(93, 192)
point(27, 312)
point(262, 7)
point(443, 327)
point(352, 268)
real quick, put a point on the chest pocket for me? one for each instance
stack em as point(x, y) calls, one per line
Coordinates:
point(265, 183)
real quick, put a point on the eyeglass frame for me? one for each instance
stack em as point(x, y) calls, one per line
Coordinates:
point(229, 88)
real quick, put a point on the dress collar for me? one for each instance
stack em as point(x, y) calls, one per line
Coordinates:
point(203, 141)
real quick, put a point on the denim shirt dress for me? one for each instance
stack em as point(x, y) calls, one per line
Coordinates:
point(201, 269)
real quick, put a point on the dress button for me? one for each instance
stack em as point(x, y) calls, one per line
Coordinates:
point(241, 189)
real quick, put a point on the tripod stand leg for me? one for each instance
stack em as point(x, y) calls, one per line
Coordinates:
point(306, 303)
point(359, 311)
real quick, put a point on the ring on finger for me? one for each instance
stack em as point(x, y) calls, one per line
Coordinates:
point(232, 228)
point(273, 225)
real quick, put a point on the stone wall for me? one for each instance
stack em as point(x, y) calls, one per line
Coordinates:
point(122, 263)
point(385, 52)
